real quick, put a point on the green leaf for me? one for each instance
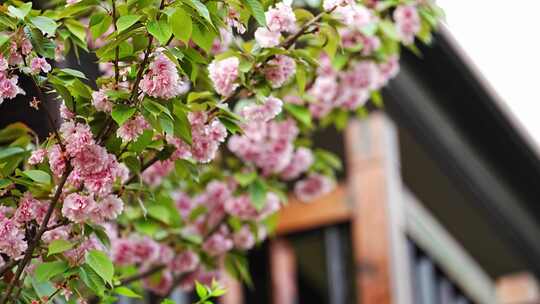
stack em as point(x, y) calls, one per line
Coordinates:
point(389, 29)
point(91, 279)
point(245, 179)
point(124, 291)
point(58, 246)
point(45, 24)
point(39, 176)
point(202, 37)
point(45, 271)
point(121, 113)
point(257, 10)
point(43, 46)
point(181, 24)
point(4, 183)
point(167, 124)
point(329, 158)
point(160, 213)
point(201, 290)
point(182, 127)
point(200, 8)
point(193, 96)
point(72, 72)
point(160, 29)
point(76, 28)
point(10, 151)
point(124, 22)
point(257, 193)
point(101, 264)
point(299, 112)
point(99, 24)
point(142, 141)
point(377, 99)
point(21, 11)
point(301, 78)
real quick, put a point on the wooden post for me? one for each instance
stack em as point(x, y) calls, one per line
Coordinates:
point(283, 271)
point(518, 288)
point(374, 188)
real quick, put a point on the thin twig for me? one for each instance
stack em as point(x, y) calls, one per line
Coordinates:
point(117, 49)
point(142, 275)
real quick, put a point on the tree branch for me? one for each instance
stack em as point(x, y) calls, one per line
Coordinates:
point(35, 241)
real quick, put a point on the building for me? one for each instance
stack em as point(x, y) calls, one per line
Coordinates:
point(438, 202)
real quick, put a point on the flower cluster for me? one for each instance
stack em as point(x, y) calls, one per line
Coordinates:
point(135, 184)
point(279, 19)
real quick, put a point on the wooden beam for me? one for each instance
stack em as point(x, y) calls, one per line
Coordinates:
point(379, 244)
point(328, 210)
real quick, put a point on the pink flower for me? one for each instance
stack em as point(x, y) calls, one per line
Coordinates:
point(223, 74)
point(57, 160)
point(3, 64)
point(101, 102)
point(78, 208)
point(26, 46)
point(244, 238)
point(183, 203)
point(60, 233)
point(221, 43)
point(76, 256)
point(266, 38)
point(388, 70)
point(300, 162)
point(65, 113)
point(154, 174)
point(352, 38)
point(11, 238)
point(262, 113)
point(363, 75)
point(331, 4)
point(355, 15)
point(162, 79)
point(122, 251)
point(97, 169)
point(110, 207)
point(217, 244)
point(132, 128)
point(77, 137)
point(268, 145)
point(279, 70)
point(186, 261)
point(71, 2)
point(37, 156)
point(314, 186)
point(407, 22)
point(8, 87)
point(26, 211)
point(281, 18)
point(146, 250)
point(40, 64)
point(159, 285)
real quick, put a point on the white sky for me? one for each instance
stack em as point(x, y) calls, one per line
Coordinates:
point(503, 40)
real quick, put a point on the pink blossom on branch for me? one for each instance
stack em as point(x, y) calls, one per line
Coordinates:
point(39, 64)
point(162, 79)
point(278, 70)
point(407, 22)
point(281, 18)
point(224, 74)
point(132, 128)
point(266, 38)
point(314, 186)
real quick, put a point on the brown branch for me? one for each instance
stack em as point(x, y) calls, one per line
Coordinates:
point(142, 275)
point(7, 266)
point(35, 241)
point(117, 49)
